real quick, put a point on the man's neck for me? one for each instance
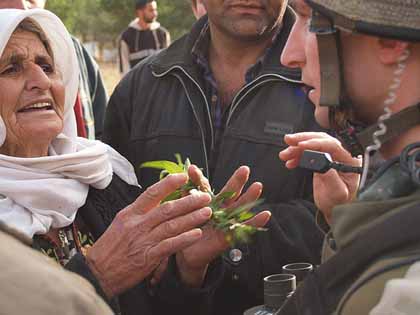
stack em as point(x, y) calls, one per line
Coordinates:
point(234, 52)
point(143, 25)
point(230, 58)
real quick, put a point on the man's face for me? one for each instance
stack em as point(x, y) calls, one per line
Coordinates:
point(301, 51)
point(35, 4)
point(245, 19)
point(149, 13)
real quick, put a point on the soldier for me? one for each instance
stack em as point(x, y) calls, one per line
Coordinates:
point(360, 61)
point(30, 284)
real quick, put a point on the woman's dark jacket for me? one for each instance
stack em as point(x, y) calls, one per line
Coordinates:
point(159, 109)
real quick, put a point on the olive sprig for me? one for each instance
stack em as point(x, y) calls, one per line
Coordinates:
point(229, 220)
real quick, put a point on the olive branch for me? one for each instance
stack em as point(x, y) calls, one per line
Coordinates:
point(228, 220)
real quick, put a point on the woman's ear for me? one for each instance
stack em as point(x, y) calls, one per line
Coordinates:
point(390, 50)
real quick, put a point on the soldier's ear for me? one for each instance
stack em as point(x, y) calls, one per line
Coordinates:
point(391, 50)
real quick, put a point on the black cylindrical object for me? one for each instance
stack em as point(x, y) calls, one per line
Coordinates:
point(277, 288)
point(300, 270)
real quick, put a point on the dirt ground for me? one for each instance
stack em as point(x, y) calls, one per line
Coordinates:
point(110, 74)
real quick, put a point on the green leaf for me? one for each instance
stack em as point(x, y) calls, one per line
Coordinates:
point(173, 196)
point(187, 164)
point(179, 159)
point(168, 166)
point(245, 216)
point(246, 207)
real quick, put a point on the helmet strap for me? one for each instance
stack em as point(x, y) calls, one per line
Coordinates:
point(395, 125)
point(329, 59)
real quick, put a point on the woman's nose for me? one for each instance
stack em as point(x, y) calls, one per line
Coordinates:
point(36, 78)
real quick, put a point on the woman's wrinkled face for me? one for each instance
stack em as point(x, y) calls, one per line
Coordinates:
point(31, 93)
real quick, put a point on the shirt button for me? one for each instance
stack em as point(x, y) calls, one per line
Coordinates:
point(235, 277)
point(214, 98)
point(235, 255)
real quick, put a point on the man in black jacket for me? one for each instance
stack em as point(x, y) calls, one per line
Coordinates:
point(220, 97)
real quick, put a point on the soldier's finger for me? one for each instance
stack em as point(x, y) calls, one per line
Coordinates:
point(334, 148)
point(291, 153)
point(294, 139)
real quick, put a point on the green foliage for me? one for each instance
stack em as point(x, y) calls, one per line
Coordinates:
point(104, 20)
point(228, 220)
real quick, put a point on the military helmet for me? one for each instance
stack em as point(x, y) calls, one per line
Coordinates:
point(398, 19)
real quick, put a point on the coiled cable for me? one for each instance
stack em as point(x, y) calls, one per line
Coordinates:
point(392, 96)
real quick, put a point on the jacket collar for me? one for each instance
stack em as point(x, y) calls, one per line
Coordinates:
point(135, 24)
point(178, 55)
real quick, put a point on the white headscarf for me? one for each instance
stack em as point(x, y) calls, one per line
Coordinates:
point(37, 194)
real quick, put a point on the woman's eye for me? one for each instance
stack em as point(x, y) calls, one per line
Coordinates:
point(47, 68)
point(10, 69)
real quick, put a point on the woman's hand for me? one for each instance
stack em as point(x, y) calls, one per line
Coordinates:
point(146, 232)
point(193, 261)
point(332, 188)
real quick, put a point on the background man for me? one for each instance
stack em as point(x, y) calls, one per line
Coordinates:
point(91, 103)
point(143, 37)
point(220, 97)
point(379, 66)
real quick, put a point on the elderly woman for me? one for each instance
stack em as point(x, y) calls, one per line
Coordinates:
point(78, 200)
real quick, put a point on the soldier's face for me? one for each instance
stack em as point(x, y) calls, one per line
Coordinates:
point(244, 19)
point(301, 51)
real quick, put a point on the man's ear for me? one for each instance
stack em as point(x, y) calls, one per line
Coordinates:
point(390, 50)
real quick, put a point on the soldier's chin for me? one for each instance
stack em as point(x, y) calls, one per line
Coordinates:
point(321, 116)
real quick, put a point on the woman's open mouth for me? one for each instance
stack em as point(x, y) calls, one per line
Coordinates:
point(36, 107)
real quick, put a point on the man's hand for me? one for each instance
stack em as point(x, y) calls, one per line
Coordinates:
point(332, 188)
point(145, 233)
point(193, 261)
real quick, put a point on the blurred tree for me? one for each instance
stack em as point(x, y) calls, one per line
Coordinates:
point(104, 20)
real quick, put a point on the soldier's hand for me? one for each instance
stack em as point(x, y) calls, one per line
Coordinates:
point(333, 187)
point(145, 233)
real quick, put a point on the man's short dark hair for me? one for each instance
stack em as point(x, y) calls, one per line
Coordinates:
point(140, 4)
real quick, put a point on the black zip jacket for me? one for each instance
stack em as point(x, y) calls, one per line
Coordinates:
point(160, 109)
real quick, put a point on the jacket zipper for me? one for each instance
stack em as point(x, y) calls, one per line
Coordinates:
point(272, 76)
point(235, 104)
point(203, 140)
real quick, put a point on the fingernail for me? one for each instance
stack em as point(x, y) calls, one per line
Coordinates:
point(196, 233)
point(206, 212)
